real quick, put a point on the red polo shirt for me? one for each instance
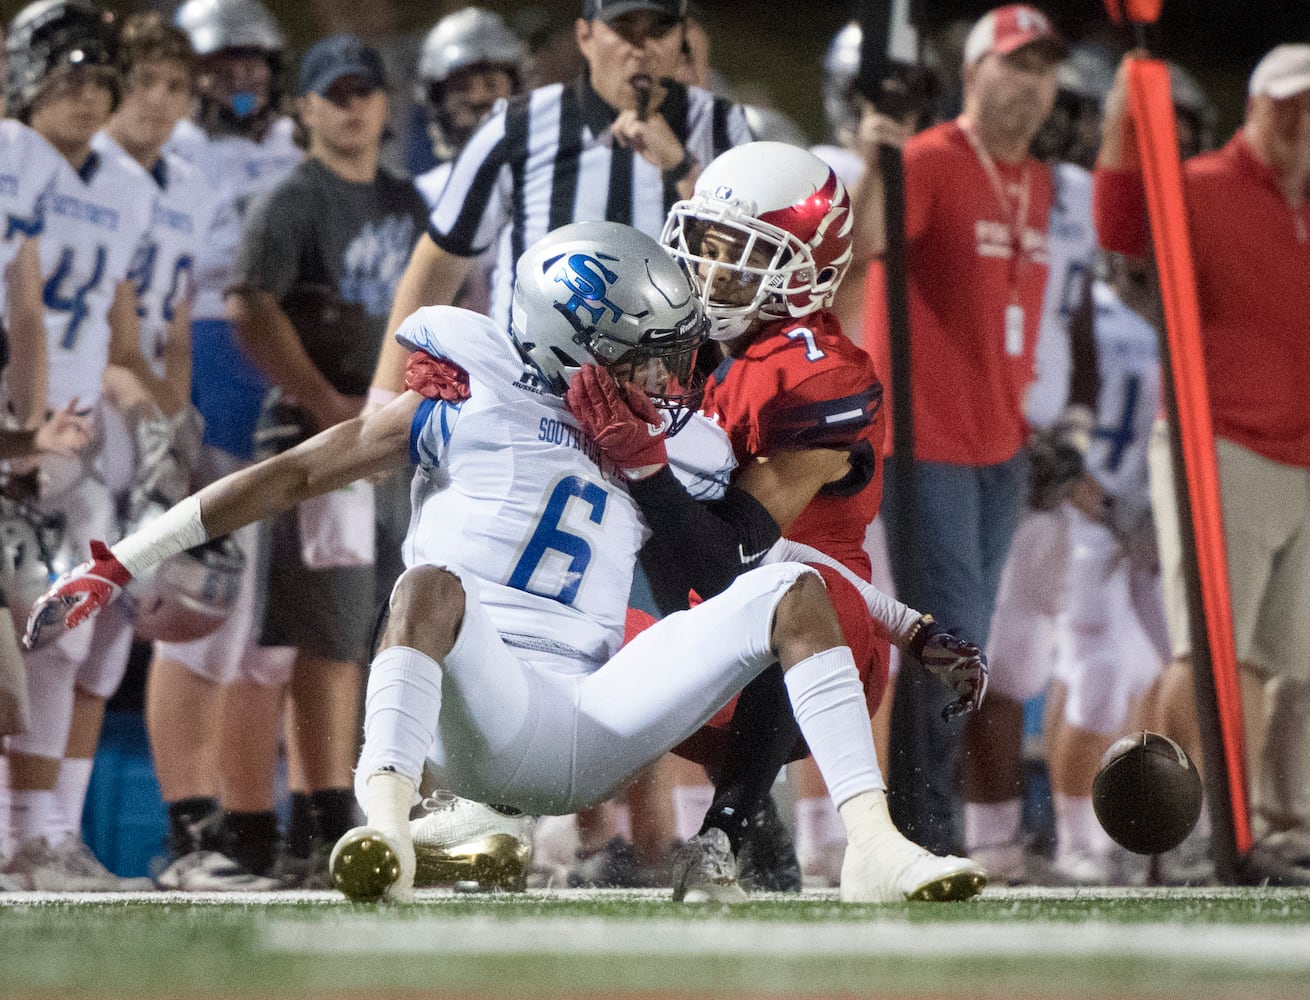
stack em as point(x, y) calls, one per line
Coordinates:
point(1252, 255)
point(968, 381)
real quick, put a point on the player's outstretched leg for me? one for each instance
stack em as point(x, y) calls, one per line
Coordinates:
point(376, 861)
point(827, 698)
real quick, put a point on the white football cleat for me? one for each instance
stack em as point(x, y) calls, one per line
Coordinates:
point(882, 866)
point(894, 877)
point(457, 840)
point(369, 865)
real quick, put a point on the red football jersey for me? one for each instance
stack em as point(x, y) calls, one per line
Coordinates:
point(804, 385)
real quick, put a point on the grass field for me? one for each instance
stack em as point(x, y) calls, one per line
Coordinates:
point(1247, 943)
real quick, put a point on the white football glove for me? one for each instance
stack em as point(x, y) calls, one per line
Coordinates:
point(959, 664)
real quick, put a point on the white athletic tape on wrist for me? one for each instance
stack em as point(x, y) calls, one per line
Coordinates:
point(176, 530)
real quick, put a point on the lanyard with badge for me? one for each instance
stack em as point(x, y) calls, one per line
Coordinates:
point(1016, 218)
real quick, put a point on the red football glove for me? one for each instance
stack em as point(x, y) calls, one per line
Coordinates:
point(76, 597)
point(623, 421)
point(436, 378)
point(960, 665)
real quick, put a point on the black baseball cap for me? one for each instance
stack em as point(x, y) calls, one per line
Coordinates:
point(609, 10)
point(330, 59)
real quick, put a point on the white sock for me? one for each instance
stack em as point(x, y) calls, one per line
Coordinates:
point(70, 795)
point(30, 816)
point(819, 832)
point(1077, 829)
point(690, 804)
point(621, 819)
point(388, 798)
point(401, 706)
point(992, 824)
point(828, 702)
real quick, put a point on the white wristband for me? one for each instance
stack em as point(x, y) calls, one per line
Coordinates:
point(176, 530)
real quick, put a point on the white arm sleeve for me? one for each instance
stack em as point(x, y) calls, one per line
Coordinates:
point(177, 529)
point(899, 619)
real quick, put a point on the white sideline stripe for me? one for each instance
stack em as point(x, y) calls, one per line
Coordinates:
point(1261, 945)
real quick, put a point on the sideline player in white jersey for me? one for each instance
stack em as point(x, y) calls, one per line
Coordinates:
point(500, 664)
point(1116, 641)
point(28, 166)
point(243, 147)
point(470, 60)
point(64, 85)
point(1027, 620)
point(154, 398)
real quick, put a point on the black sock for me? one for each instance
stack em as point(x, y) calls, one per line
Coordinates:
point(334, 813)
point(300, 830)
point(764, 734)
point(252, 839)
point(194, 824)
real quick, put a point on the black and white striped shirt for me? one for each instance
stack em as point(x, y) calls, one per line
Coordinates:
point(545, 159)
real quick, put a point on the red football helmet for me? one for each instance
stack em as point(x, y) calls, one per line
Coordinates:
point(766, 233)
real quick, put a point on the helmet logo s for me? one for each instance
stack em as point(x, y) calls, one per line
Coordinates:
point(723, 192)
point(589, 282)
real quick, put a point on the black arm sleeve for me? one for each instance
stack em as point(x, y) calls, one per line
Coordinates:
point(698, 546)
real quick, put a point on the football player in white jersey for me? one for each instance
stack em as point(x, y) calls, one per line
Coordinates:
point(153, 394)
point(470, 60)
point(1027, 619)
point(28, 166)
point(64, 85)
point(243, 146)
point(1116, 641)
point(500, 665)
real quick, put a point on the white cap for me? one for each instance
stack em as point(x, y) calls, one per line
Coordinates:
point(1007, 29)
point(1284, 72)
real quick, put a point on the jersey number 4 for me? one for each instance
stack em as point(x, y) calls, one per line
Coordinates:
point(73, 300)
point(552, 543)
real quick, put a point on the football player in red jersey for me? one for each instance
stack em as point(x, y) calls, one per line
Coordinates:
point(767, 238)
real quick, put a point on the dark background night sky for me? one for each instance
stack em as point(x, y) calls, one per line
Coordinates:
point(773, 49)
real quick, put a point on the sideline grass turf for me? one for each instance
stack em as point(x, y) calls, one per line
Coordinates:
point(1010, 943)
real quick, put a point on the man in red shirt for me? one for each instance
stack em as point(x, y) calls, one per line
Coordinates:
point(976, 210)
point(1249, 224)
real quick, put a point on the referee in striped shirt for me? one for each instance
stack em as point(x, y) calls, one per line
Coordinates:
point(622, 143)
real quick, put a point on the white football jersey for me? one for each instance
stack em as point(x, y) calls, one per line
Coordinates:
point(28, 166)
point(510, 489)
point(1071, 249)
point(95, 224)
point(1128, 360)
point(163, 269)
point(237, 170)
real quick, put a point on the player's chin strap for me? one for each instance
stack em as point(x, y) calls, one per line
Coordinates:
point(960, 665)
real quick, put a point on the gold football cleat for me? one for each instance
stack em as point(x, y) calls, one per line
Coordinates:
point(496, 861)
point(364, 865)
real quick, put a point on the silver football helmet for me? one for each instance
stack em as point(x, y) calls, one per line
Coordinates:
point(33, 552)
point(213, 25)
point(605, 293)
point(1072, 132)
point(468, 38)
point(188, 595)
point(841, 65)
point(51, 34)
point(1195, 113)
